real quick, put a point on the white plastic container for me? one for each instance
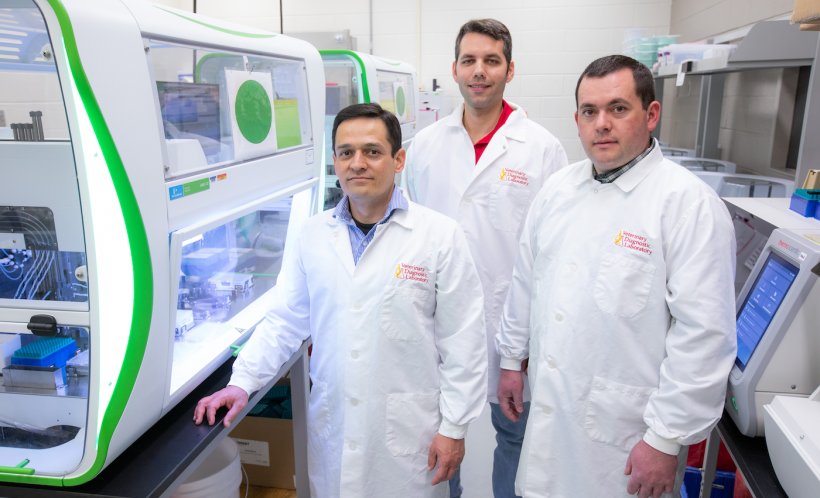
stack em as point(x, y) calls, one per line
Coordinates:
point(219, 476)
point(679, 52)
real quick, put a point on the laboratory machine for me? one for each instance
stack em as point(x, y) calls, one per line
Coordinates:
point(154, 164)
point(669, 151)
point(754, 220)
point(778, 339)
point(698, 164)
point(793, 441)
point(354, 78)
point(743, 185)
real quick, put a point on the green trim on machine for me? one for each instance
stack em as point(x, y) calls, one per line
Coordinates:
point(353, 55)
point(215, 27)
point(20, 468)
point(140, 255)
point(203, 59)
point(388, 61)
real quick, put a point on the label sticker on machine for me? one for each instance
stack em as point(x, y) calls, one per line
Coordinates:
point(253, 452)
point(190, 188)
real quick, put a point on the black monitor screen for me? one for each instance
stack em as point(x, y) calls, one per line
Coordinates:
point(191, 110)
point(761, 304)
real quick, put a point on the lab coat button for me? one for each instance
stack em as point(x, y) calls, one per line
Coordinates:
point(354, 401)
point(551, 362)
point(546, 409)
point(595, 190)
point(354, 354)
point(559, 317)
point(352, 445)
point(572, 267)
point(356, 307)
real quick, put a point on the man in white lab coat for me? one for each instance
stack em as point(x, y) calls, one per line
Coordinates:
point(389, 294)
point(482, 165)
point(623, 301)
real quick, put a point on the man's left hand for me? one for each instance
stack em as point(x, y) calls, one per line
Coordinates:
point(447, 454)
point(652, 472)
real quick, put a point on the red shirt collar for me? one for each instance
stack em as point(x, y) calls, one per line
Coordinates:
point(481, 145)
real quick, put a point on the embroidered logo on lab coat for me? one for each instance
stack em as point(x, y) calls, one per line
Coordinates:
point(411, 272)
point(633, 241)
point(514, 176)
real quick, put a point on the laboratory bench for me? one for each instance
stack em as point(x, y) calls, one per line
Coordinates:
point(159, 461)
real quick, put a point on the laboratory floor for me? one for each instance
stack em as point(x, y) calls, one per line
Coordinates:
point(263, 492)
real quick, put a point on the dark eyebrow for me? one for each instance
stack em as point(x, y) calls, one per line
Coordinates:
point(369, 145)
point(585, 105)
point(618, 101)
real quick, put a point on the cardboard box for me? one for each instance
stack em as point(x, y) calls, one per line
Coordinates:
point(266, 451)
point(806, 11)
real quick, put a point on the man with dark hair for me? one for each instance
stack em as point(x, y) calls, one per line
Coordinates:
point(644, 81)
point(388, 293)
point(623, 302)
point(482, 165)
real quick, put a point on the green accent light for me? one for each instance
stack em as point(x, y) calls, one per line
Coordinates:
point(254, 114)
point(388, 61)
point(353, 55)
point(734, 403)
point(142, 307)
point(215, 27)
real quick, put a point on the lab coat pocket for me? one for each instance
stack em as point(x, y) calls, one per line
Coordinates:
point(404, 309)
point(614, 412)
point(623, 284)
point(412, 420)
point(319, 422)
point(508, 204)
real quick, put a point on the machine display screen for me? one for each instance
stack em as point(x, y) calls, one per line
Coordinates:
point(191, 110)
point(761, 304)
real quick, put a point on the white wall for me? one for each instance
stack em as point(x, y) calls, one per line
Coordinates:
point(700, 19)
point(553, 40)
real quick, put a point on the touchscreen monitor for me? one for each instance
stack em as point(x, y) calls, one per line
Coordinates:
point(761, 304)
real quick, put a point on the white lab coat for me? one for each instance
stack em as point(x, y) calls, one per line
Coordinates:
point(398, 349)
point(623, 300)
point(489, 199)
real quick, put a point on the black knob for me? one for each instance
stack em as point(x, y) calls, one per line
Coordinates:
point(43, 325)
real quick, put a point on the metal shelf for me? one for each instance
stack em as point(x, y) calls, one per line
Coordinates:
point(768, 45)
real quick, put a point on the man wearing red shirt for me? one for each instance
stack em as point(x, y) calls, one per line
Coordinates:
point(482, 165)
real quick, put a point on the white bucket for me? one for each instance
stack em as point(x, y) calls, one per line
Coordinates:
point(219, 476)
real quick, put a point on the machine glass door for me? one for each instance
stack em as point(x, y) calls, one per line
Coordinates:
point(224, 270)
point(220, 107)
point(42, 248)
point(397, 95)
point(44, 334)
point(342, 81)
point(43, 399)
